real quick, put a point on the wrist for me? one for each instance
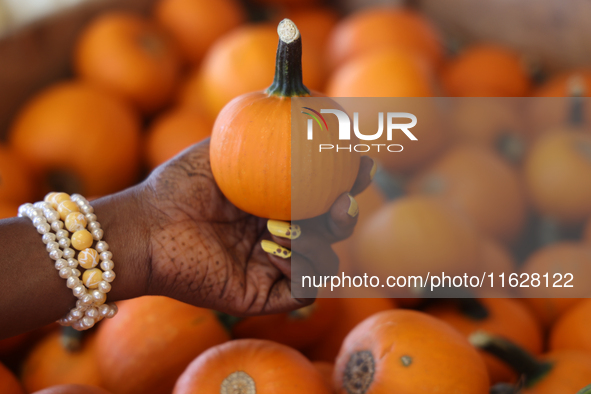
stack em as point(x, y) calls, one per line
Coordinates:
point(126, 230)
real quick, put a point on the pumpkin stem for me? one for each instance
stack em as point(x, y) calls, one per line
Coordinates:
point(288, 81)
point(228, 321)
point(521, 361)
point(473, 308)
point(71, 339)
point(585, 390)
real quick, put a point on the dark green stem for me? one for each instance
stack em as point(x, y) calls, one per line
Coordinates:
point(473, 309)
point(521, 361)
point(288, 81)
point(585, 390)
point(72, 339)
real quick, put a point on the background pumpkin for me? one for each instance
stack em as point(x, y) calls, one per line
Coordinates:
point(8, 209)
point(274, 173)
point(172, 132)
point(140, 356)
point(73, 389)
point(381, 28)
point(557, 176)
point(479, 184)
point(129, 56)
point(486, 70)
point(16, 184)
point(8, 382)
point(501, 316)
point(255, 367)
point(571, 331)
point(221, 78)
point(50, 363)
point(47, 136)
point(409, 352)
point(196, 24)
point(326, 369)
point(560, 85)
point(424, 235)
point(350, 312)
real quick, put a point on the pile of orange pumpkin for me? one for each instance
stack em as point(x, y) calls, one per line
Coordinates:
point(489, 192)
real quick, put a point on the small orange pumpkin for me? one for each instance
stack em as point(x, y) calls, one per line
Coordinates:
point(251, 366)
point(480, 185)
point(486, 70)
point(196, 24)
point(501, 316)
point(557, 177)
point(256, 161)
point(415, 235)
point(571, 331)
point(240, 62)
point(50, 363)
point(8, 382)
point(16, 184)
point(8, 209)
point(557, 372)
point(296, 329)
point(350, 312)
point(73, 389)
point(129, 56)
point(404, 351)
point(153, 340)
point(382, 28)
point(326, 369)
point(78, 130)
point(172, 132)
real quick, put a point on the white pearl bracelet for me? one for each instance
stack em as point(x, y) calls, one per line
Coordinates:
point(90, 306)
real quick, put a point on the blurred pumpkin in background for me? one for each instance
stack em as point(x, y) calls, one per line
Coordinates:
point(8, 209)
point(326, 369)
point(174, 131)
point(151, 342)
point(240, 62)
point(402, 351)
point(496, 257)
point(378, 29)
point(16, 185)
point(414, 235)
point(196, 24)
point(571, 331)
point(251, 366)
point(491, 123)
point(51, 362)
point(8, 382)
point(73, 389)
point(350, 312)
point(564, 84)
point(502, 316)
point(78, 138)
point(486, 70)
point(557, 176)
point(296, 329)
point(479, 184)
point(129, 56)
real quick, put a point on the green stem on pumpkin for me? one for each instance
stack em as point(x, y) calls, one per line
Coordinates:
point(288, 81)
point(577, 109)
point(521, 361)
point(585, 390)
point(473, 309)
point(71, 339)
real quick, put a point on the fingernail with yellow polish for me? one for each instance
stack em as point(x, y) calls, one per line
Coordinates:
point(284, 229)
point(276, 250)
point(353, 207)
point(374, 168)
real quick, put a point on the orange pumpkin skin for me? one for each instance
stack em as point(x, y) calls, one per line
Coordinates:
point(251, 154)
point(506, 317)
point(73, 389)
point(47, 136)
point(50, 364)
point(486, 71)
point(424, 235)
point(571, 331)
point(571, 372)
point(16, 185)
point(351, 311)
point(270, 368)
point(8, 210)
point(10, 345)
point(131, 57)
point(296, 329)
point(221, 78)
point(408, 352)
point(8, 382)
point(173, 132)
point(561, 85)
point(379, 28)
point(480, 185)
point(557, 176)
point(326, 369)
point(139, 358)
point(196, 25)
